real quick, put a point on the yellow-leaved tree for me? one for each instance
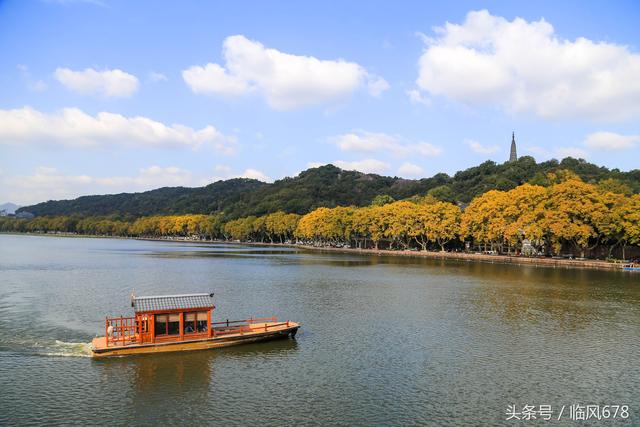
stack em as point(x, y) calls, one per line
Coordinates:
point(401, 222)
point(524, 215)
point(439, 222)
point(484, 219)
point(572, 211)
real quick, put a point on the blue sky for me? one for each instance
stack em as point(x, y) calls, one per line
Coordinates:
point(111, 96)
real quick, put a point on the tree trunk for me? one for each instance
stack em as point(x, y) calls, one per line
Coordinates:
point(422, 243)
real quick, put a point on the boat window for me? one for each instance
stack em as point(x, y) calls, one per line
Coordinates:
point(189, 323)
point(161, 324)
point(173, 325)
point(201, 321)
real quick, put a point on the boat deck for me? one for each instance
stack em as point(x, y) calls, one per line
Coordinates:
point(221, 336)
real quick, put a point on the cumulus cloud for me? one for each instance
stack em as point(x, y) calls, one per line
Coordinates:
point(255, 174)
point(75, 128)
point(47, 183)
point(226, 172)
point(610, 141)
point(108, 83)
point(525, 67)
point(363, 141)
point(286, 81)
point(476, 147)
point(213, 79)
point(410, 170)
point(365, 165)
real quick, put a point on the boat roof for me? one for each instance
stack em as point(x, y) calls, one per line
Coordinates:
point(171, 302)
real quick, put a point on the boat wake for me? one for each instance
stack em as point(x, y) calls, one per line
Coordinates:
point(69, 349)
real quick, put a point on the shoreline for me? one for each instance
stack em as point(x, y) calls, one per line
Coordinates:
point(587, 264)
point(590, 264)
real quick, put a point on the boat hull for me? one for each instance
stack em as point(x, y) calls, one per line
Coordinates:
point(99, 349)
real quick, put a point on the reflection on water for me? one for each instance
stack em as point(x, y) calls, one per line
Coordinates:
point(149, 374)
point(384, 341)
point(524, 296)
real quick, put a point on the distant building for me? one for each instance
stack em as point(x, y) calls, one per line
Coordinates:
point(513, 156)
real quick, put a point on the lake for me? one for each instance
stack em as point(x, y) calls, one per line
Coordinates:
point(384, 340)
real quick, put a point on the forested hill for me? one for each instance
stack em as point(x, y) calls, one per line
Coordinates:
point(328, 186)
point(163, 201)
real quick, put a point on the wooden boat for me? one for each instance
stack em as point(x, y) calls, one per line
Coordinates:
point(180, 323)
point(631, 267)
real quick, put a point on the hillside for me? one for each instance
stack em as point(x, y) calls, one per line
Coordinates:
point(326, 186)
point(164, 201)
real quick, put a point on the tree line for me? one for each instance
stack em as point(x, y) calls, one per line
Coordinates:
point(567, 213)
point(327, 186)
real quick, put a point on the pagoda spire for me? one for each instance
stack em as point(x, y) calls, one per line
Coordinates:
point(513, 156)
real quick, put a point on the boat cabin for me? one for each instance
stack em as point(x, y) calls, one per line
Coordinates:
point(167, 318)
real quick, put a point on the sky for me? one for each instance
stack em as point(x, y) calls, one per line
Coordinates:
point(108, 96)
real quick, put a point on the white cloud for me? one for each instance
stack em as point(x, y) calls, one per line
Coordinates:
point(416, 97)
point(376, 85)
point(47, 183)
point(424, 149)
point(362, 141)
point(213, 79)
point(558, 152)
point(156, 77)
point(286, 81)
point(255, 174)
point(224, 172)
point(365, 165)
point(575, 152)
point(75, 128)
point(476, 147)
point(410, 170)
point(524, 67)
point(610, 141)
point(109, 83)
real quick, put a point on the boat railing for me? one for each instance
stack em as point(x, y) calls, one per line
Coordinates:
point(121, 330)
point(246, 325)
point(248, 321)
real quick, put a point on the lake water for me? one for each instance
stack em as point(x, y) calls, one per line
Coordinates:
point(384, 340)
